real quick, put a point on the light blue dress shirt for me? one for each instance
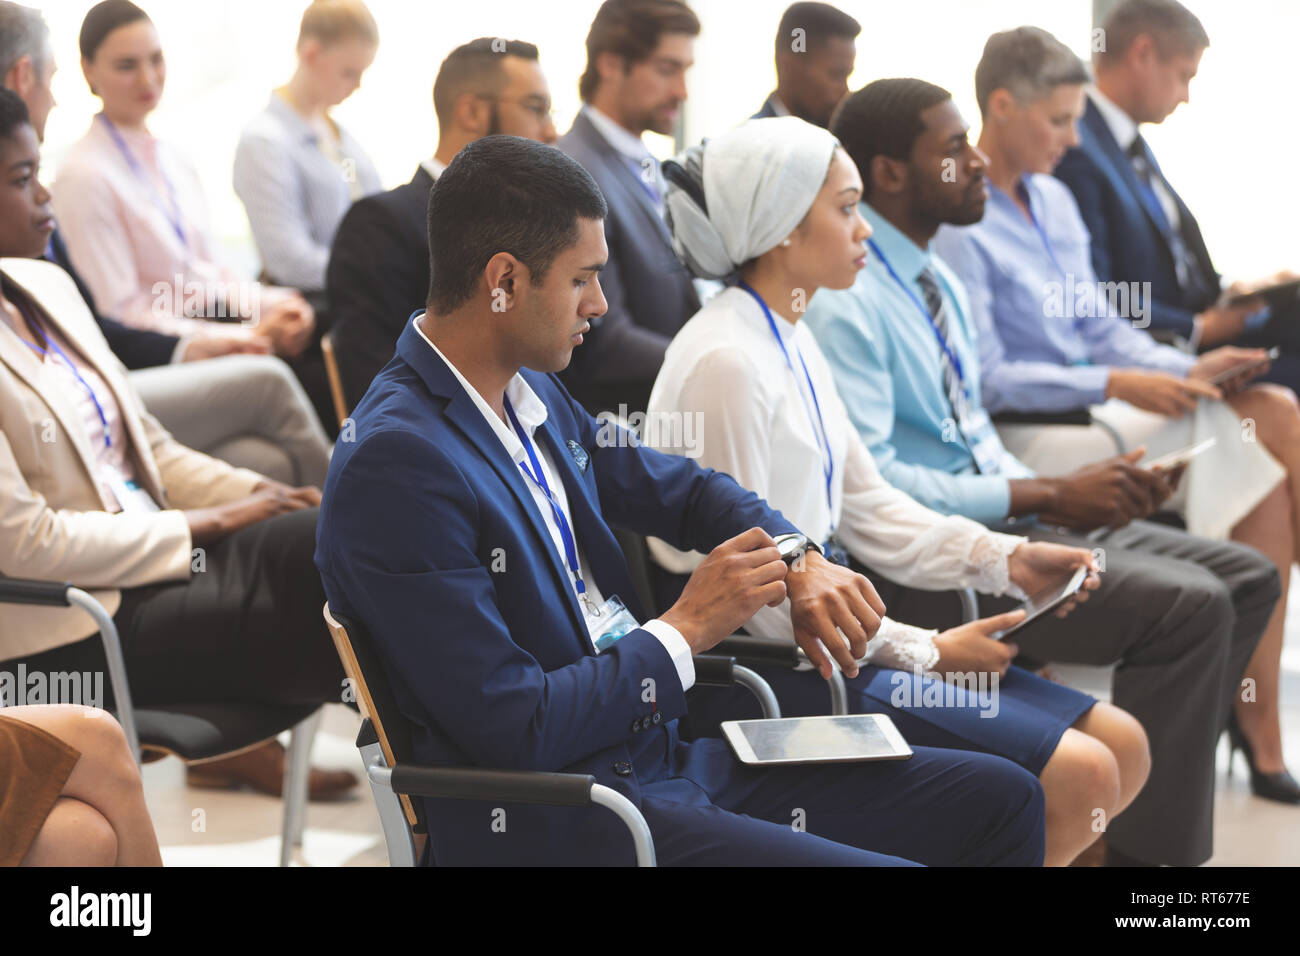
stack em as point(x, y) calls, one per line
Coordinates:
point(294, 193)
point(886, 361)
point(1047, 331)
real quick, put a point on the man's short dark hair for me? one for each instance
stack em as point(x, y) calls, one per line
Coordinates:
point(1027, 61)
point(503, 194)
point(13, 113)
point(632, 29)
point(883, 119)
point(474, 67)
point(1173, 28)
point(819, 22)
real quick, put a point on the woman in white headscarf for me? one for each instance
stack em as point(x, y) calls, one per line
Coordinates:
point(745, 389)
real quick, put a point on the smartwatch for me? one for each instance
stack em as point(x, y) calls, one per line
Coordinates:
point(795, 546)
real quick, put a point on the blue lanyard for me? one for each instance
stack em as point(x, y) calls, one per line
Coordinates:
point(174, 216)
point(1042, 233)
point(538, 478)
point(108, 441)
point(943, 343)
point(819, 426)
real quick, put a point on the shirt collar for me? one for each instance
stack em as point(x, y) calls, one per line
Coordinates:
point(624, 141)
point(292, 118)
point(903, 254)
point(433, 167)
point(529, 409)
point(1120, 123)
point(779, 108)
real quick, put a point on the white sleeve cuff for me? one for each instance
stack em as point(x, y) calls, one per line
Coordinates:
point(677, 649)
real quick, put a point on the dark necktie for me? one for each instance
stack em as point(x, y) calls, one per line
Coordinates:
point(1186, 268)
point(952, 384)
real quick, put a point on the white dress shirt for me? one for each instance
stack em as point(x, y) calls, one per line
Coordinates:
point(749, 417)
point(531, 412)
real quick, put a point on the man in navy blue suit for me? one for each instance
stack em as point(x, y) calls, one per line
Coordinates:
point(1141, 230)
point(467, 525)
point(815, 52)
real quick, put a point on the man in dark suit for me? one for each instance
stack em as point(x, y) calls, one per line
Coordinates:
point(1142, 231)
point(469, 528)
point(638, 52)
point(378, 271)
point(815, 52)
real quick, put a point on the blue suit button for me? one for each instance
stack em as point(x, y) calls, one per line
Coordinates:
point(623, 768)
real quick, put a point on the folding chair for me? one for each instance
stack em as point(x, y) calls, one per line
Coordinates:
point(196, 732)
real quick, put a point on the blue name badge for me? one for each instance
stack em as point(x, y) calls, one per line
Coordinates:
point(609, 622)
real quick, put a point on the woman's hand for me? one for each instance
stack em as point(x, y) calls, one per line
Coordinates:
point(269, 498)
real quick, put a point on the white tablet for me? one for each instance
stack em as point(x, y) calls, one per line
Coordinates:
point(850, 738)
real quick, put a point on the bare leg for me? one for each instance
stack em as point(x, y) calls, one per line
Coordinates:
point(1081, 785)
point(1127, 741)
point(105, 779)
point(74, 834)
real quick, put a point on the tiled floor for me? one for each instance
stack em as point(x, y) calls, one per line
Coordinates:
point(235, 828)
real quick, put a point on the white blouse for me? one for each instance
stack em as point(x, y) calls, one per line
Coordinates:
point(726, 397)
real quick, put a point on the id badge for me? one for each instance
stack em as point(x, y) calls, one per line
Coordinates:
point(985, 445)
point(609, 622)
point(130, 495)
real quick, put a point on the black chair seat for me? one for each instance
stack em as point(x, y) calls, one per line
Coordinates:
point(201, 730)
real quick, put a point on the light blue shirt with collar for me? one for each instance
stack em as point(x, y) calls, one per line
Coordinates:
point(1048, 335)
point(886, 361)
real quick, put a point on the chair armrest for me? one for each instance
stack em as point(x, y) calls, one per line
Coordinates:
point(63, 594)
point(1078, 416)
point(759, 651)
point(714, 670)
point(24, 591)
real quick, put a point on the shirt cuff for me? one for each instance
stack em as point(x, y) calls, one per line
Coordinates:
point(1194, 340)
point(178, 353)
point(677, 649)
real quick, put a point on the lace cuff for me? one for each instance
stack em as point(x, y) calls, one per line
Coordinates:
point(990, 556)
point(902, 646)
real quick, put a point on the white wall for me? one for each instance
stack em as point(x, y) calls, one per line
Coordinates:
point(1230, 153)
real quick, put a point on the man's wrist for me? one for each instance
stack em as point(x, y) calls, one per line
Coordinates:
point(1033, 495)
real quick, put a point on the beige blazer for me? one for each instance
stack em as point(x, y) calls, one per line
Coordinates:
point(54, 525)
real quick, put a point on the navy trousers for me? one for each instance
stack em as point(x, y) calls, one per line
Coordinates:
point(939, 808)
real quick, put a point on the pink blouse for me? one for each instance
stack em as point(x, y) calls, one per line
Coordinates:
point(135, 221)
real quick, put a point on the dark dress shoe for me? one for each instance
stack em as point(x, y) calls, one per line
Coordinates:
point(1280, 786)
point(262, 769)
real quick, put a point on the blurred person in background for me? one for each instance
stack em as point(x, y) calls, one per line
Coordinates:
point(379, 266)
point(638, 53)
point(815, 51)
point(1141, 229)
point(296, 169)
point(134, 216)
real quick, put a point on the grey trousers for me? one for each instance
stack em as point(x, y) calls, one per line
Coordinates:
point(1179, 616)
point(248, 410)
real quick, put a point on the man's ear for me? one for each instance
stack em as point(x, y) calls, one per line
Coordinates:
point(505, 276)
point(610, 66)
point(888, 175)
point(470, 113)
point(21, 76)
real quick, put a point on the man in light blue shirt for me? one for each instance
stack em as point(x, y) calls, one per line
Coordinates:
point(902, 345)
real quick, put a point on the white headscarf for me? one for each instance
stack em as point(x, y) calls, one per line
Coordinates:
point(734, 197)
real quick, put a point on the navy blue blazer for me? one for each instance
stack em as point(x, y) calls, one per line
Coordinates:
point(767, 110)
point(649, 291)
point(1129, 243)
point(429, 536)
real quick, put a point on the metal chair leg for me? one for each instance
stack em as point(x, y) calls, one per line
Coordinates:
point(116, 664)
point(297, 768)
